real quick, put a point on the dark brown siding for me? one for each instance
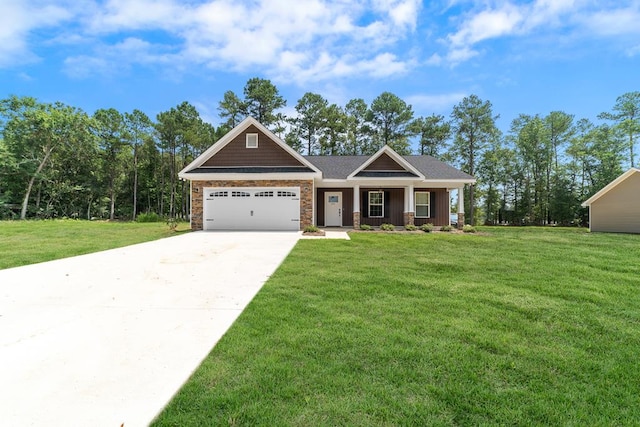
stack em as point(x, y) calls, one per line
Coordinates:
point(393, 207)
point(439, 207)
point(236, 153)
point(347, 205)
point(384, 163)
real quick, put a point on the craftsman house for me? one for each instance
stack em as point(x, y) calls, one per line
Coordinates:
point(251, 180)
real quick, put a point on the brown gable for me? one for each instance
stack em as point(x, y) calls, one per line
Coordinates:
point(384, 163)
point(236, 153)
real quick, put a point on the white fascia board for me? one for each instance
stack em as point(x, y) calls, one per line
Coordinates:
point(609, 187)
point(389, 182)
point(247, 177)
point(454, 182)
point(391, 153)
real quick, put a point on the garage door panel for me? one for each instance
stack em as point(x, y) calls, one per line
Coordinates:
point(252, 208)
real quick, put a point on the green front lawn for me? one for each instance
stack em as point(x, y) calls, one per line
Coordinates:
point(522, 326)
point(29, 242)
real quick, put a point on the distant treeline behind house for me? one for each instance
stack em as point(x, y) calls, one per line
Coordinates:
point(58, 161)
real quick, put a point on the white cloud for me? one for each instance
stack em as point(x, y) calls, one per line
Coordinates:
point(615, 22)
point(17, 20)
point(485, 25)
point(403, 13)
point(306, 40)
point(502, 19)
point(118, 58)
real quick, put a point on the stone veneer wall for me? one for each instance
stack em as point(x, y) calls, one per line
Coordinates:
point(356, 220)
point(460, 220)
point(409, 218)
point(306, 197)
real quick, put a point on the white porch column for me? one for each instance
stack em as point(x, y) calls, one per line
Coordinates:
point(460, 207)
point(409, 214)
point(356, 198)
point(356, 206)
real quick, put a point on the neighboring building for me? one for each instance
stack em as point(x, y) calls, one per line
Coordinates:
point(616, 208)
point(251, 180)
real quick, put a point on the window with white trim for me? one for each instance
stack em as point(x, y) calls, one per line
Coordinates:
point(422, 202)
point(252, 140)
point(376, 204)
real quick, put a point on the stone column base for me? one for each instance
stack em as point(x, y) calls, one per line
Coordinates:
point(356, 220)
point(460, 220)
point(409, 218)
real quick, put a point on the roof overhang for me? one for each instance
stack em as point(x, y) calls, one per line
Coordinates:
point(395, 182)
point(610, 186)
point(249, 176)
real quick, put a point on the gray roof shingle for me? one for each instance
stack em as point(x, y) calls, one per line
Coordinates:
point(340, 167)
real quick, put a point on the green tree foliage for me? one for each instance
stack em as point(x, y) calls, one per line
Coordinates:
point(474, 129)
point(332, 130)
point(390, 118)
point(306, 125)
point(138, 127)
point(232, 109)
point(357, 138)
point(262, 100)
point(182, 134)
point(34, 133)
point(433, 132)
point(626, 115)
point(57, 161)
point(112, 138)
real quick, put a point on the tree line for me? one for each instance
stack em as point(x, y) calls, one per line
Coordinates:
point(58, 161)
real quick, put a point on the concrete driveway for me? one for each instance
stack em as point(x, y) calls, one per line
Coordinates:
point(108, 338)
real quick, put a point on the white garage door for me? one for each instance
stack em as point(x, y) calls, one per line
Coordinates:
point(251, 208)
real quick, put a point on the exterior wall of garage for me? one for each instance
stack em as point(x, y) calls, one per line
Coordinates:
point(306, 197)
point(618, 210)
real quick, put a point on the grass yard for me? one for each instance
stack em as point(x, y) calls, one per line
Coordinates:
point(29, 242)
point(520, 326)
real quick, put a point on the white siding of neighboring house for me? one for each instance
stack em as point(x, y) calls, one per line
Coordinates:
point(618, 210)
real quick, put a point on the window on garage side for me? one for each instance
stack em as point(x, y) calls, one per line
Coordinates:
point(422, 204)
point(252, 140)
point(264, 194)
point(240, 194)
point(376, 204)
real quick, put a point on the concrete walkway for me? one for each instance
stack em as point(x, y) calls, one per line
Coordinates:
point(108, 338)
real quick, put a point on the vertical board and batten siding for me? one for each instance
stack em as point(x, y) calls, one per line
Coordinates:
point(236, 153)
point(384, 163)
point(347, 205)
point(618, 210)
point(439, 208)
point(393, 207)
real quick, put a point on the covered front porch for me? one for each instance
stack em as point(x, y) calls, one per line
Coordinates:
point(377, 205)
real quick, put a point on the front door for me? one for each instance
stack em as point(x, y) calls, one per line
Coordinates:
point(333, 209)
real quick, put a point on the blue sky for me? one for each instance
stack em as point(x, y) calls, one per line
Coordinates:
point(523, 56)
